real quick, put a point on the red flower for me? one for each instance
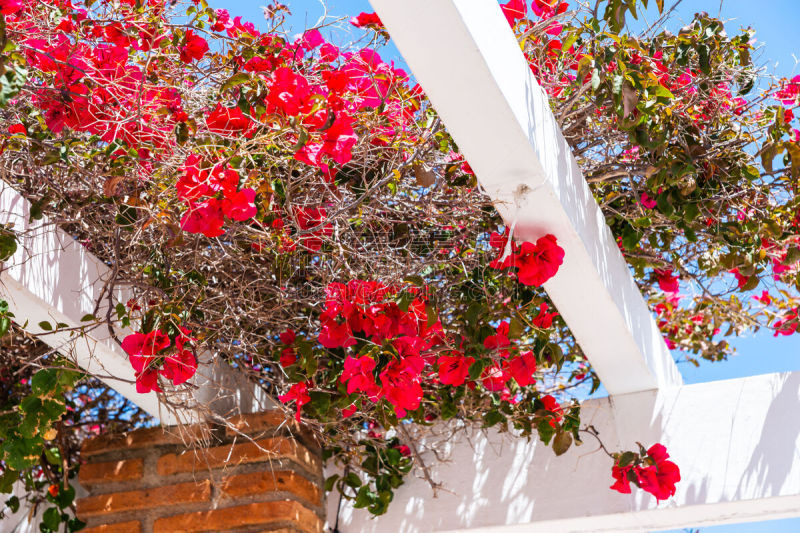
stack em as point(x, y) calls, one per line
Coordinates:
point(514, 10)
point(206, 218)
point(494, 377)
point(336, 335)
point(9, 7)
point(646, 201)
point(667, 281)
point(147, 381)
point(538, 263)
point(454, 369)
point(240, 205)
point(288, 357)
point(620, 474)
point(499, 340)
point(367, 19)
point(180, 367)
point(358, 375)
point(313, 218)
point(145, 344)
point(288, 336)
point(400, 384)
point(228, 121)
point(17, 128)
point(194, 47)
point(522, 368)
point(544, 319)
point(299, 393)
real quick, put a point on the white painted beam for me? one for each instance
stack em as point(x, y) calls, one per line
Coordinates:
point(737, 443)
point(466, 58)
point(52, 278)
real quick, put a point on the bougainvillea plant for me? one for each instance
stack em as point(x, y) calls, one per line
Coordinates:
point(294, 207)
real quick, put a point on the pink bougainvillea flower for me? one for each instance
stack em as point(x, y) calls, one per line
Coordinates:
point(299, 393)
point(194, 47)
point(366, 19)
point(454, 369)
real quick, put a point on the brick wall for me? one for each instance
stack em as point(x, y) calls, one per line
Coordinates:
point(149, 481)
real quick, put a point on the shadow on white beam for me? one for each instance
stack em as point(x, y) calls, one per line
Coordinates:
point(465, 56)
point(52, 278)
point(736, 443)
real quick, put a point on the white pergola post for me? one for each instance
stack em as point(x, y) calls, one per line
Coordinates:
point(465, 57)
point(53, 278)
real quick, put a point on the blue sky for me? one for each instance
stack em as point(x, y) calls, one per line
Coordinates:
point(775, 22)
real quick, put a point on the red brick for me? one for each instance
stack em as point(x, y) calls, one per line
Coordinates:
point(121, 527)
point(257, 422)
point(256, 483)
point(281, 513)
point(142, 438)
point(105, 472)
point(134, 500)
point(237, 454)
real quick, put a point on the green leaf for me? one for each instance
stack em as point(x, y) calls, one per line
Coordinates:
point(52, 518)
point(5, 325)
point(626, 458)
point(46, 326)
point(8, 244)
point(44, 381)
point(352, 480)
point(492, 417)
point(330, 481)
point(237, 79)
point(562, 442)
point(703, 57)
point(13, 504)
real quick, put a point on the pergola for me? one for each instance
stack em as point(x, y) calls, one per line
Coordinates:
point(736, 441)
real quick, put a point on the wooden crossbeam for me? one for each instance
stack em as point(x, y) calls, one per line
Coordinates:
point(465, 57)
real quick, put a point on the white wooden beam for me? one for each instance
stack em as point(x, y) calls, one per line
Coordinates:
point(53, 278)
point(466, 58)
point(737, 443)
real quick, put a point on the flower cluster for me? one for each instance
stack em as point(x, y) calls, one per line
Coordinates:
point(651, 471)
point(154, 353)
point(537, 263)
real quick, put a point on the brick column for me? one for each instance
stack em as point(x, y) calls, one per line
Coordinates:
point(148, 481)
